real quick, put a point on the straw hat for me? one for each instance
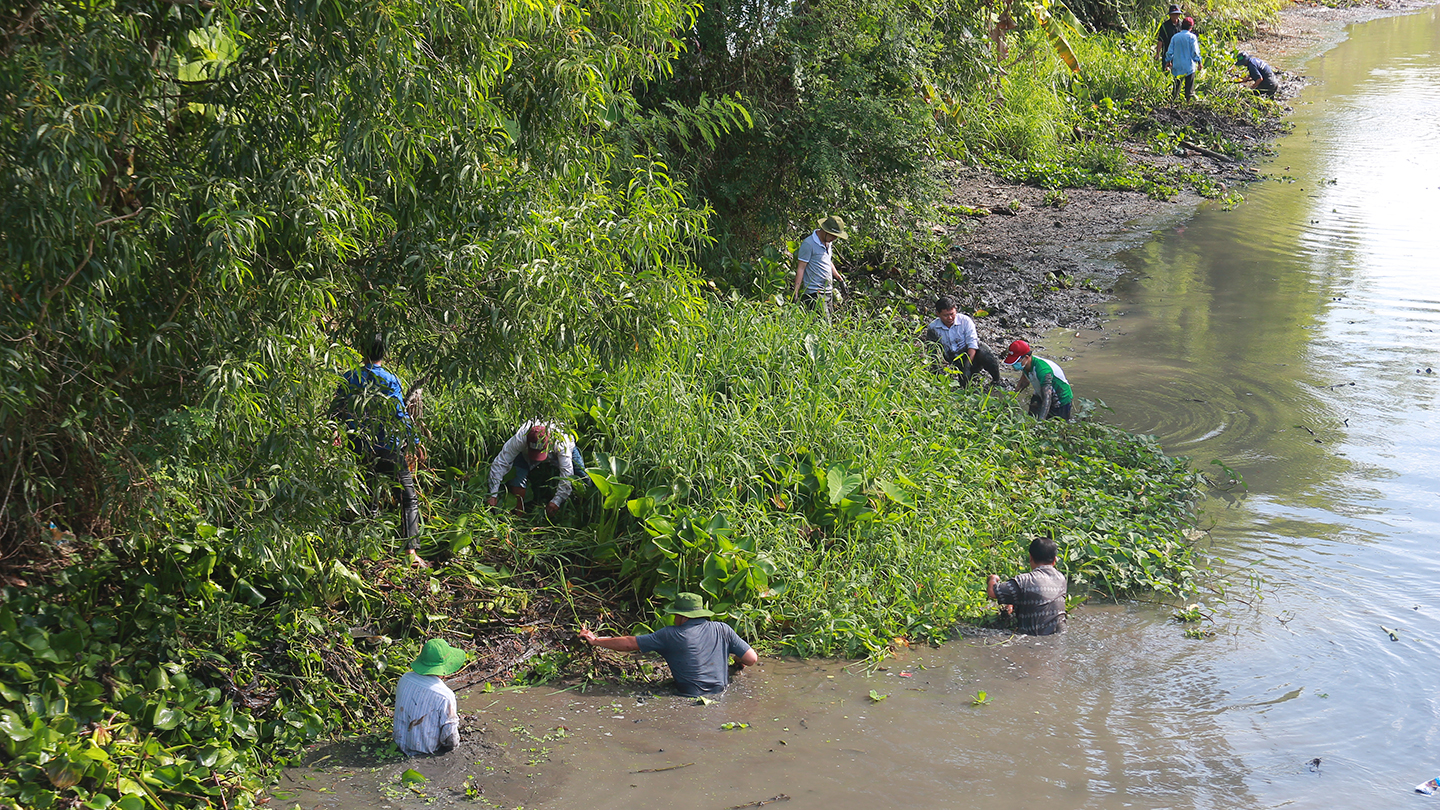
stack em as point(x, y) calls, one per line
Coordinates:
point(835, 226)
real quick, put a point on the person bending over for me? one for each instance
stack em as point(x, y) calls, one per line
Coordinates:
point(955, 333)
point(1053, 395)
point(535, 445)
point(1261, 76)
point(698, 650)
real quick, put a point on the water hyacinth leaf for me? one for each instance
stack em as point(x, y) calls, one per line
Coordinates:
point(412, 776)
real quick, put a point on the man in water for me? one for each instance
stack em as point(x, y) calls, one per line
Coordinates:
point(815, 264)
point(1053, 396)
point(426, 721)
point(1036, 598)
point(535, 444)
point(371, 402)
point(962, 348)
point(1169, 27)
point(698, 650)
point(1262, 76)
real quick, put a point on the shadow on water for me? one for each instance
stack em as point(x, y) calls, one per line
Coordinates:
point(1241, 334)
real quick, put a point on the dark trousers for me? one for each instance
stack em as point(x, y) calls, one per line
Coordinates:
point(820, 301)
point(389, 464)
point(985, 361)
point(1055, 411)
point(1188, 80)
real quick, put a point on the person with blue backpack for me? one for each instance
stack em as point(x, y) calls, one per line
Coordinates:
point(370, 401)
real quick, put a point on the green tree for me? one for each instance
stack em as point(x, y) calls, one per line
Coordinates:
point(201, 204)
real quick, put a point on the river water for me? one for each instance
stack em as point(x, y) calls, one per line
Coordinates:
point(1289, 338)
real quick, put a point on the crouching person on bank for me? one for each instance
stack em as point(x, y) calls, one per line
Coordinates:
point(426, 721)
point(698, 650)
point(1036, 599)
point(536, 446)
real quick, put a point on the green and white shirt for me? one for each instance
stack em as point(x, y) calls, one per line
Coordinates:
point(1044, 372)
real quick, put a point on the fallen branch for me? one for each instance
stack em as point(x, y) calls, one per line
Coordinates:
point(781, 798)
point(669, 768)
point(1210, 153)
point(517, 662)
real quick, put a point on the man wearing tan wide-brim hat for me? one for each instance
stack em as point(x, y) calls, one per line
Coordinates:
point(815, 264)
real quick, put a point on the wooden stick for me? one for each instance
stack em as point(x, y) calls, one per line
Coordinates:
point(781, 798)
point(668, 768)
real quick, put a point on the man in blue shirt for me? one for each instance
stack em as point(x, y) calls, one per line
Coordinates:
point(371, 402)
point(815, 264)
point(1183, 59)
point(697, 649)
point(1262, 76)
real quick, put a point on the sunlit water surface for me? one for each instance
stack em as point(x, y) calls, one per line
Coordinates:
point(1284, 338)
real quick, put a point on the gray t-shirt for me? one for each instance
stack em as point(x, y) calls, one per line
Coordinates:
point(1039, 600)
point(821, 265)
point(698, 653)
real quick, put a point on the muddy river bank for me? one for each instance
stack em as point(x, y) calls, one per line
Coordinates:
point(1289, 339)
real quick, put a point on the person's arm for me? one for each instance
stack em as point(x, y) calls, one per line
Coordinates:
point(1022, 383)
point(502, 463)
point(800, 265)
point(617, 643)
point(566, 463)
point(1004, 593)
point(1044, 388)
point(449, 730)
point(749, 659)
point(971, 340)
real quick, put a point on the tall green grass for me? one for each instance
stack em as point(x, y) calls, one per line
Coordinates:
point(874, 495)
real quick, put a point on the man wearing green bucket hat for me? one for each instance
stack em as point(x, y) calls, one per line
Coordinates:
point(698, 650)
point(426, 721)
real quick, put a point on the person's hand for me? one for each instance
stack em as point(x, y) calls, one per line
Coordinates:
point(993, 580)
point(338, 440)
point(552, 509)
point(1006, 610)
point(492, 501)
point(588, 636)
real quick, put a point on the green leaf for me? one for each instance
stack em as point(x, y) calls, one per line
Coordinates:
point(841, 483)
point(876, 696)
point(412, 776)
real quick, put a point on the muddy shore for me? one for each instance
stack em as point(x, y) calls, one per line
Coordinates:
point(1028, 268)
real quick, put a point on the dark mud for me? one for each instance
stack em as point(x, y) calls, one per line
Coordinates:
point(1030, 265)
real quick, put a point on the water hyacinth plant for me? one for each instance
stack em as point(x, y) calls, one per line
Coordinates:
point(824, 489)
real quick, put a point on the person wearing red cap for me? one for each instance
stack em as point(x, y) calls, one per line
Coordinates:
point(1052, 397)
point(534, 444)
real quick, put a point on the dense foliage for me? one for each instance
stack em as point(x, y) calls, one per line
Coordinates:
point(819, 484)
point(203, 205)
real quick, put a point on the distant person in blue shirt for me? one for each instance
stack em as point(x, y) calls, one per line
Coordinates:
point(371, 402)
point(1262, 76)
point(697, 649)
point(1182, 59)
point(815, 265)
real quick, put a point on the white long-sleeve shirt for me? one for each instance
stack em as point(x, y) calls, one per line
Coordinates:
point(562, 447)
point(426, 720)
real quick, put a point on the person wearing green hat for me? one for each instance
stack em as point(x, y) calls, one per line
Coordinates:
point(815, 264)
point(426, 721)
point(698, 650)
